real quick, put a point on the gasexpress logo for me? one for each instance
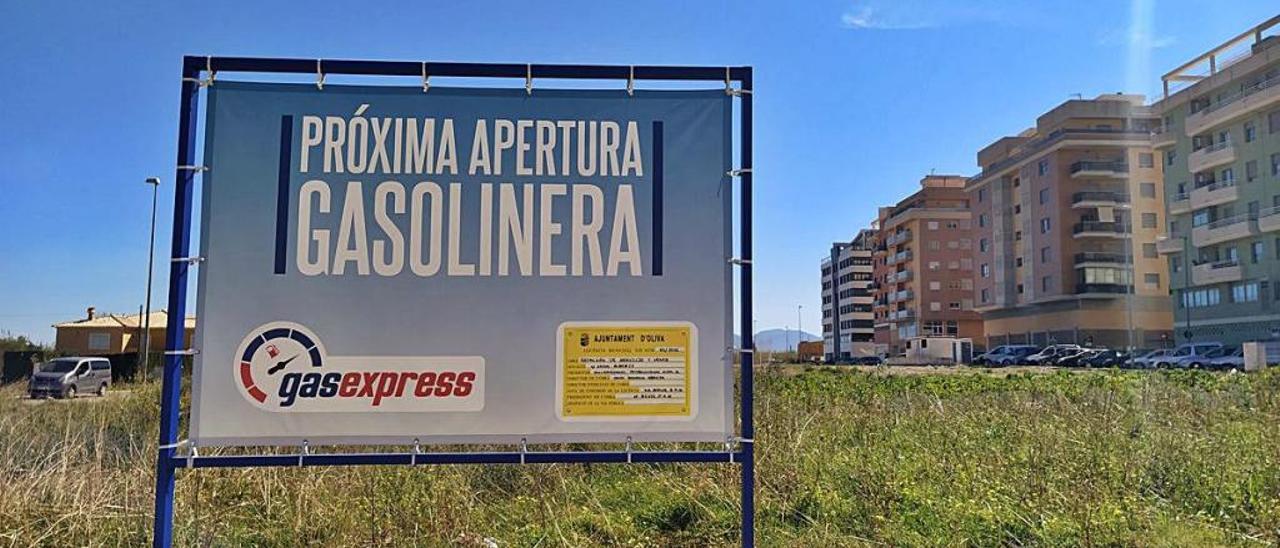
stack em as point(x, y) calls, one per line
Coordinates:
point(283, 367)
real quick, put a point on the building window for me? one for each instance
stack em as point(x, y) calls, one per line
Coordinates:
point(1044, 254)
point(982, 194)
point(982, 245)
point(1044, 196)
point(934, 286)
point(1275, 160)
point(986, 295)
point(1149, 220)
point(953, 225)
point(953, 306)
point(1019, 289)
point(1017, 182)
point(1250, 131)
point(935, 306)
point(1152, 279)
point(934, 245)
point(1044, 225)
point(1273, 122)
point(1228, 175)
point(1017, 262)
point(1246, 292)
point(1017, 209)
point(1146, 159)
point(933, 225)
point(1043, 167)
point(1017, 236)
point(1201, 298)
point(99, 341)
point(1275, 164)
point(985, 269)
point(1149, 251)
point(1170, 156)
point(1147, 190)
point(1045, 283)
point(934, 265)
point(1175, 263)
point(1250, 171)
point(1256, 249)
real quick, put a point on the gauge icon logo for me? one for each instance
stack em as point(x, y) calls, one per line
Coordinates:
point(272, 350)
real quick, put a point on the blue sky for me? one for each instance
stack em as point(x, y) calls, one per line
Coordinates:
point(855, 101)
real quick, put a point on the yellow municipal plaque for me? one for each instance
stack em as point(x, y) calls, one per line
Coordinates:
point(626, 371)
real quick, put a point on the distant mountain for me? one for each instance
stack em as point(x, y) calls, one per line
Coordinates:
point(778, 340)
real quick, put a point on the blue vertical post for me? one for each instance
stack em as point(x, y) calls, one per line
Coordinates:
point(748, 337)
point(175, 331)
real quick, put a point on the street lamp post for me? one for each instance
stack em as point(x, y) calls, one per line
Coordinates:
point(145, 343)
point(799, 330)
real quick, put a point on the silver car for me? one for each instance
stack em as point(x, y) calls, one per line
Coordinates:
point(69, 377)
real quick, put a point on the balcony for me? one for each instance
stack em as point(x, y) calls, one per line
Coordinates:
point(1082, 289)
point(1211, 156)
point(1098, 229)
point(1248, 101)
point(1269, 219)
point(899, 276)
point(1179, 204)
point(1216, 272)
point(904, 315)
point(898, 237)
point(901, 296)
point(1166, 245)
point(1224, 230)
point(1215, 193)
point(1092, 199)
point(902, 256)
point(1163, 138)
point(1091, 258)
point(1104, 169)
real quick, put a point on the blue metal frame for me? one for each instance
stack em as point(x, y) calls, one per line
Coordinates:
point(168, 461)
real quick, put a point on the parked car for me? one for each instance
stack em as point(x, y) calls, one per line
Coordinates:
point(1186, 355)
point(1052, 352)
point(69, 377)
point(1108, 358)
point(1234, 359)
point(1009, 354)
point(867, 360)
point(1078, 358)
point(1148, 360)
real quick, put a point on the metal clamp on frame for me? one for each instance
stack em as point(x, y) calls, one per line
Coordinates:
point(319, 76)
point(524, 448)
point(189, 260)
point(196, 169)
point(417, 450)
point(631, 81)
point(739, 262)
point(728, 86)
point(426, 80)
point(528, 79)
point(208, 69)
point(306, 450)
point(187, 352)
point(628, 449)
point(191, 457)
point(737, 172)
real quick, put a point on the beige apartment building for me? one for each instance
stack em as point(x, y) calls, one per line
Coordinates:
point(1065, 221)
point(1220, 143)
point(923, 266)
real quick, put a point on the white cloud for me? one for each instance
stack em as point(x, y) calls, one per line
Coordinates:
point(921, 14)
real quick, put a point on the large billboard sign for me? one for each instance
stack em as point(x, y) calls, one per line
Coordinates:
point(385, 265)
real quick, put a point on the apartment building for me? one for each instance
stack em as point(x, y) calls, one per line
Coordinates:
point(1220, 146)
point(923, 264)
point(847, 330)
point(1066, 219)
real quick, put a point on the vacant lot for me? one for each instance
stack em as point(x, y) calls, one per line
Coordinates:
point(847, 457)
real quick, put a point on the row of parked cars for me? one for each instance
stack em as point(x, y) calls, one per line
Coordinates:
point(1203, 355)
